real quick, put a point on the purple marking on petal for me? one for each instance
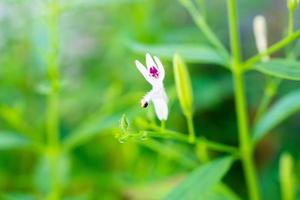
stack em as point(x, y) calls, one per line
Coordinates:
point(154, 72)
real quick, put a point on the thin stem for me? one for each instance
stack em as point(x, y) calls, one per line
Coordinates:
point(241, 105)
point(218, 146)
point(291, 23)
point(163, 125)
point(203, 26)
point(273, 83)
point(181, 137)
point(52, 123)
point(269, 93)
point(168, 134)
point(190, 123)
point(264, 103)
point(290, 32)
point(279, 45)
point(202, 6)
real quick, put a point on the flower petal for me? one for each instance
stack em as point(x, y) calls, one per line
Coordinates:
point(161, 108)
point(144, 71)
point(149, 61)
point(148, 97)
point(160, 68)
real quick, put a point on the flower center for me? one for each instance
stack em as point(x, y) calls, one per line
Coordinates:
point(154, 72)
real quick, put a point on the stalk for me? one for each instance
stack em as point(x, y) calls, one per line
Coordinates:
point(269, 93)
point(52, 123)
point(241, 105)
point(191, 129)
point(274, 83)
point(291, 23)
point(248, 64)
point(203, 26)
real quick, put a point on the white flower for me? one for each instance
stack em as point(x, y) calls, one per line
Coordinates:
point(154, 73)
point(260, 33)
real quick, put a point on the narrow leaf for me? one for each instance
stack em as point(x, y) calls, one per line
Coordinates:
point(202, 181)
point(10, 140)
point(282, 68)
point(190, 53)
point(89, 130)
point(222, 192)
point(284, 108)
point(81, 4)
point(17, 196)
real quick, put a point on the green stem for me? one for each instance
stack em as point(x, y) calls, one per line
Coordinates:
point(269, 93)
point(52, 123)
point(202, 6)
point(241, 105)
point(264, 103)
point(190, 123)
point(291, 23)
point(203, 26)
point(273, 83)
point(168, 134)
point(290, 32)
point(181, 137)
point(163, 125)
point(279, 45)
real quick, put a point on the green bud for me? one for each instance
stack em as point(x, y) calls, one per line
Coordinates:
point(183, 85)
point(287, 181)
point(292, 5)
point(124, 123)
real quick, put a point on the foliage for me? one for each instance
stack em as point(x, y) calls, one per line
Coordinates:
point(70, 122)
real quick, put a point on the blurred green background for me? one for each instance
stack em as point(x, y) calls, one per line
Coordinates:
point(98, 41)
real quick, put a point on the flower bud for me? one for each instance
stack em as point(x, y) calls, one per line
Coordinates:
point(260, 33)
point(292, 5)
point(124, 123)
point(183, 84)
point(286, 176)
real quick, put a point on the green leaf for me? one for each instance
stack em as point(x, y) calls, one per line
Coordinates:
point(211, 92)
point(10, 140)
point(282, 68)
point(17, 196)
point(201, 181)
point(221, 192)
point(80, 4)
point(296, 49)
point(89, 130)
point(284, 108)
point(172, 152)
point(190, 53)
